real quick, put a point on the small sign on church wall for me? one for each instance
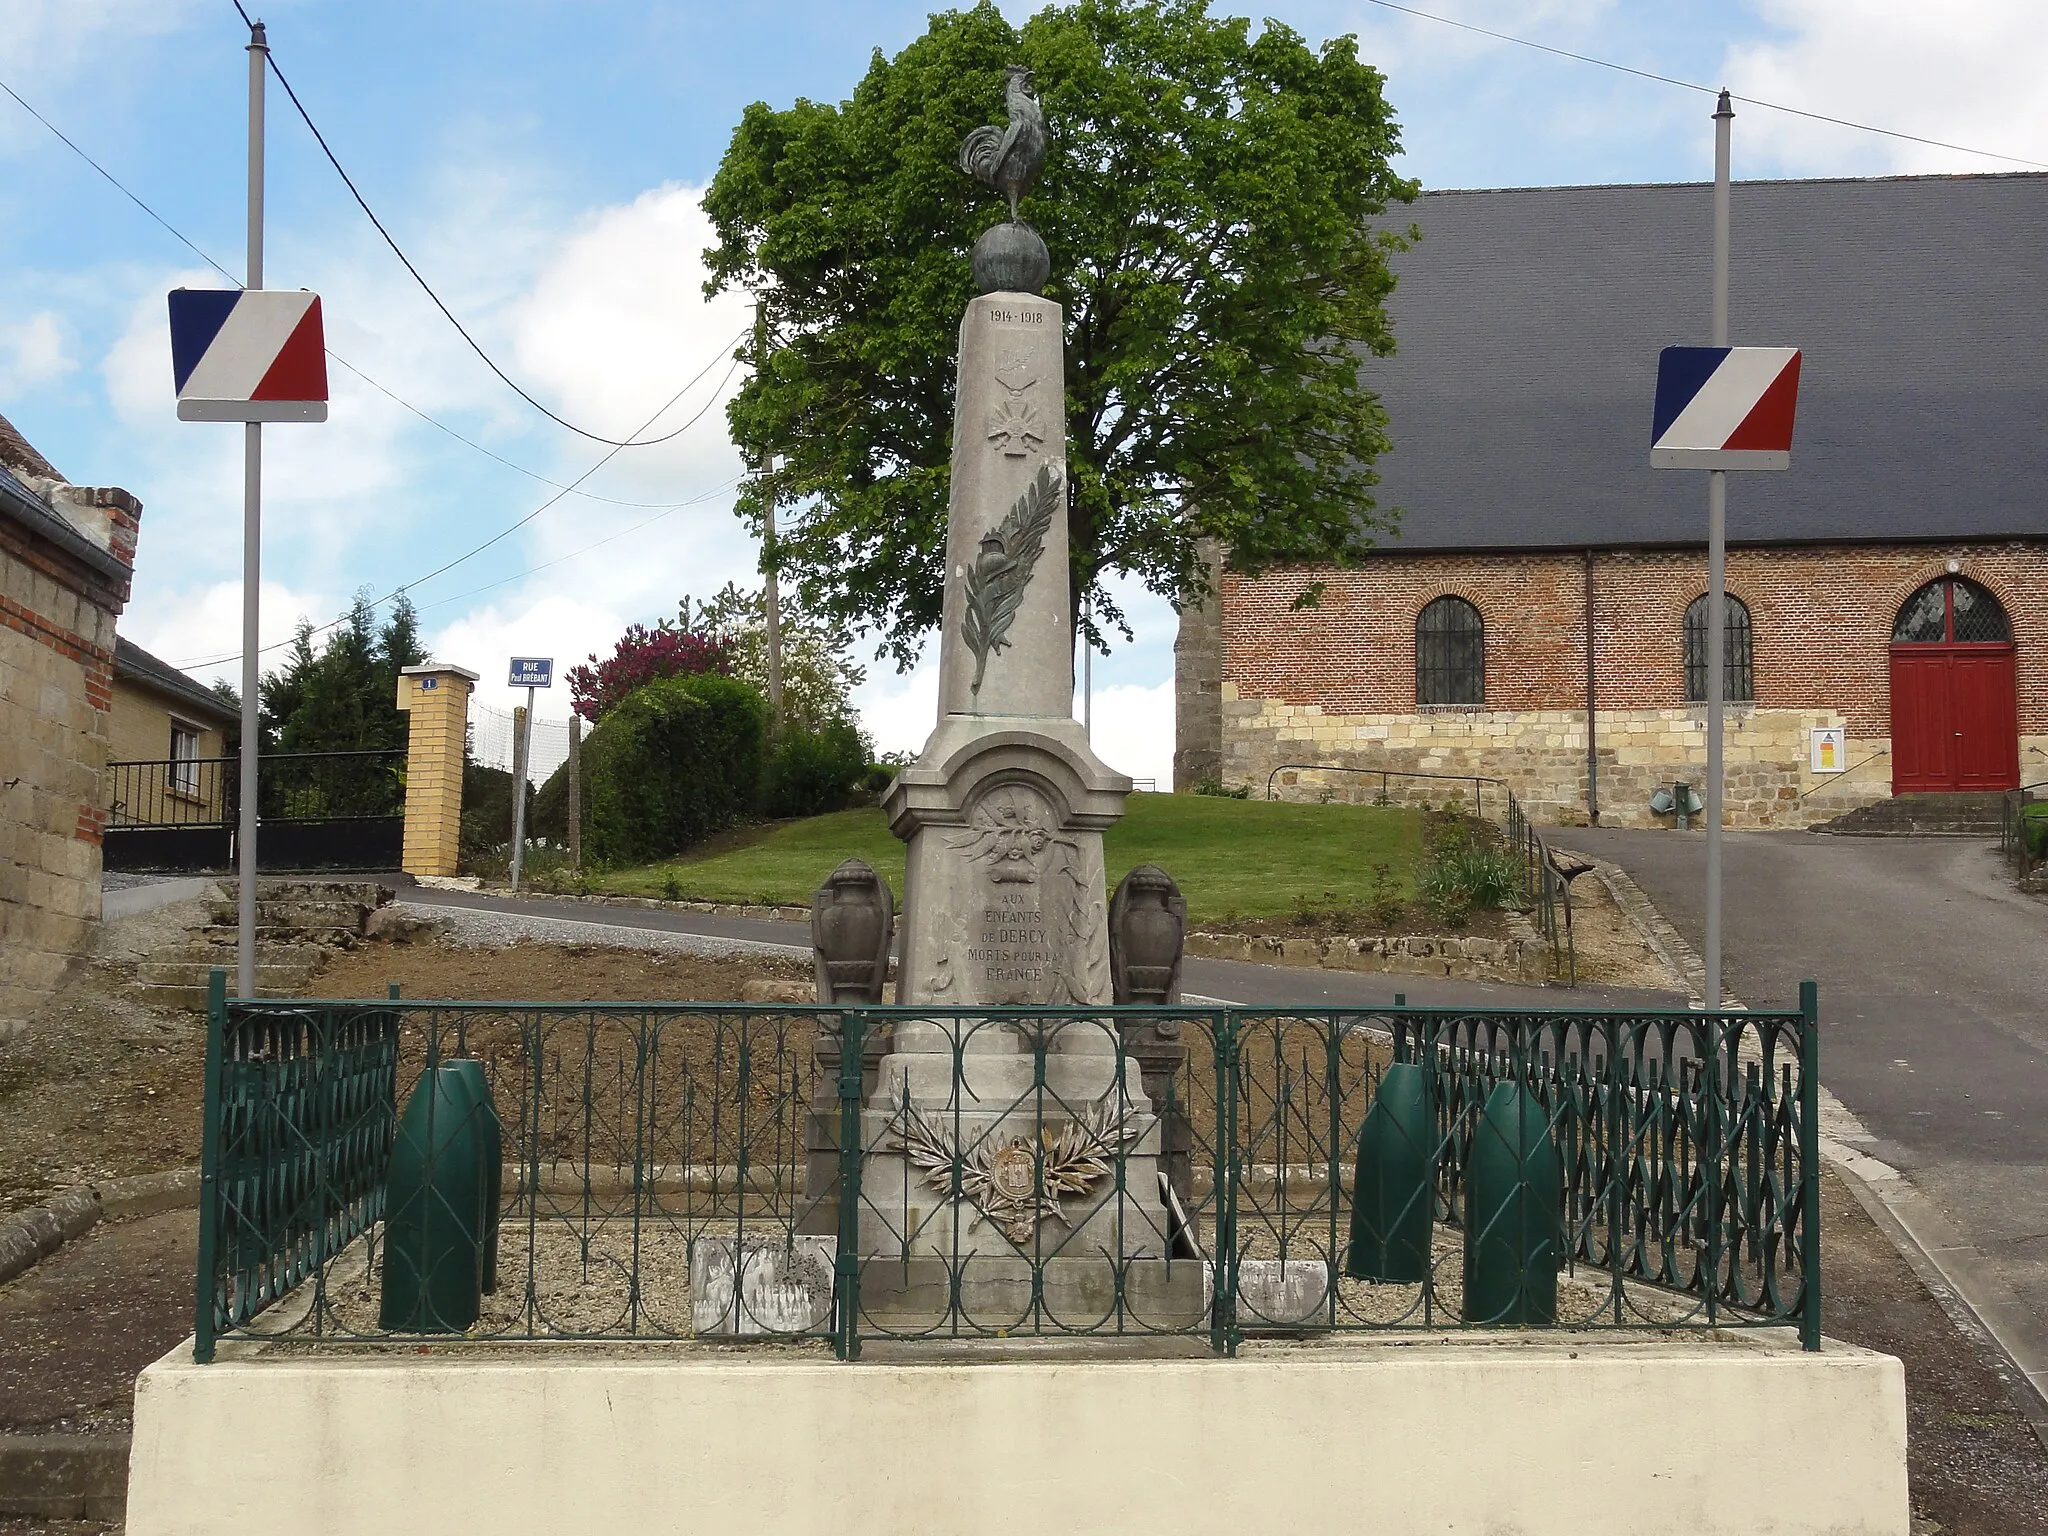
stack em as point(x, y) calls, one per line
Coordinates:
point(1829, 748)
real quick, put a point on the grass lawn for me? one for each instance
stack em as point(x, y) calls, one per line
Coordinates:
point(1233, 858)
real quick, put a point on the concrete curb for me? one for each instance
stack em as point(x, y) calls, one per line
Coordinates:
point(760, 913)
point(28, 1237)
point(1955, 1271)
point(64, 1477)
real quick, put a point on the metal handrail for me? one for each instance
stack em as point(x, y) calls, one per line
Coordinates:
point(2012, 838)
point(1475, 780)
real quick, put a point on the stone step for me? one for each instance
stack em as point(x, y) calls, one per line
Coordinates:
point(1922, 815)
point(333, 937)
point(366, 892)
point(295, 914)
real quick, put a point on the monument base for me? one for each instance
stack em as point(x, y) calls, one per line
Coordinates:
point(1579, 1436)
point(985, 1294)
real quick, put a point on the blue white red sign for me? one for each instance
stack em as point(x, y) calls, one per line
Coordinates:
point(248, 354)
point(1725, 408)
point(533, 672)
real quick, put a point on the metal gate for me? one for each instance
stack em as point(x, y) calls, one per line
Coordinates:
point(315, 810)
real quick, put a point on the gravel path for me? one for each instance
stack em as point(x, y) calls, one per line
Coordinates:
point(471, 928)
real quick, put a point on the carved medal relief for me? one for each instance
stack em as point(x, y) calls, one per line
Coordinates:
point(1032, 905)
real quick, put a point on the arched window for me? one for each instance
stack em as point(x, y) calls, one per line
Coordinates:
point(1951, 610)
point(1450, 653)
point(1738, 678)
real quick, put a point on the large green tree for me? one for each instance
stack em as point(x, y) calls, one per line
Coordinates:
point(1210, 201)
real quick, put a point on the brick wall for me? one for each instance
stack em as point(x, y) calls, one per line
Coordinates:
point(1336, 682)
point(56, 688)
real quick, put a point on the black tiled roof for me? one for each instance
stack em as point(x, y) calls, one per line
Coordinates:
point(1529, 323)
point(133, 662)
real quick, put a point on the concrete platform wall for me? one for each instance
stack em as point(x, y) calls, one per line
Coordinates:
point(1482, 1434)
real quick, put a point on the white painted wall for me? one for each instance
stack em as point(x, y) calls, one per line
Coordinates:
point(1493, 1434)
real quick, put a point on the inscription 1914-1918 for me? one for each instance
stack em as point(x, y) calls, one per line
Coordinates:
point(1024, 317)
point(1013, 945)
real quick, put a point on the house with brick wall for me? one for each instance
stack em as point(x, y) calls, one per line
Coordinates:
point(67, 554)
point(1539, 615)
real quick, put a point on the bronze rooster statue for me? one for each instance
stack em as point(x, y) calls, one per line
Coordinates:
point(1009, 158)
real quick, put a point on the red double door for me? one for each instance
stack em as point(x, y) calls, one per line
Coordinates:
point(1955, 717)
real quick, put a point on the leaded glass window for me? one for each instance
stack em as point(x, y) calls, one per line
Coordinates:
point(1450, 653)
point(1951, 610)
point(1738, 678)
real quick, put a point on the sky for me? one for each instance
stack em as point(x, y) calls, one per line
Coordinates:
point(542, 164)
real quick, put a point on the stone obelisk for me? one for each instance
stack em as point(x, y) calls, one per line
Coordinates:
point(1004, 809)
point(1025, 1145)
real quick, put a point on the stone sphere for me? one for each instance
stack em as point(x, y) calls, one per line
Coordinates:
point(1010, 258)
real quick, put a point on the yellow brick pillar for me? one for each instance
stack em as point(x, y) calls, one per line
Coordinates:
point(437, 697)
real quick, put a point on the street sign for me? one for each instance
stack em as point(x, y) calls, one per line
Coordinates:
point(248, 354)
point(533, 672)
point(1725, 408)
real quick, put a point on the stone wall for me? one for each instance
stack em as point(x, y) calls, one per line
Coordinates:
point(1541, 754)
point(58, 601)
point(1197, 683)
point(1335, 683)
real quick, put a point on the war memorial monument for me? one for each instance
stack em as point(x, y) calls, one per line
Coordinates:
point(1035, 1243)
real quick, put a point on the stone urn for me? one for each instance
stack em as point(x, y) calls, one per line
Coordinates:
point(853, 917)
point(1148, 924)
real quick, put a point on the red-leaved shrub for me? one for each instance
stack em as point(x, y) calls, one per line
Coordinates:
point(642, 656)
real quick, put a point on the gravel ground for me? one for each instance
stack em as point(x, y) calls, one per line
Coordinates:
point(469, 928)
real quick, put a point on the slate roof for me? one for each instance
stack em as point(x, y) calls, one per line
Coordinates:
point(1529, 323)
point(134, 663)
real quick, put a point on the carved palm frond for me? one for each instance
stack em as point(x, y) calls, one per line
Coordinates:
point(998, 575)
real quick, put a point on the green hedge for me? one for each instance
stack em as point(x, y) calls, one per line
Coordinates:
point(812, 773)
point(672, 764)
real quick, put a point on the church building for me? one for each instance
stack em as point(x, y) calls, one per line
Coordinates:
point(1539, 617)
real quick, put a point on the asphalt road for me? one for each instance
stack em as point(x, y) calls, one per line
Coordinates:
point(1226, 980)
point(1933, 975)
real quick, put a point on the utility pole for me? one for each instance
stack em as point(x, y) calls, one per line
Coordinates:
point(771, 595)
point(252, 557)
point(1087, 671)
point(575, 791)
point(522, 762)
point(1717, 572)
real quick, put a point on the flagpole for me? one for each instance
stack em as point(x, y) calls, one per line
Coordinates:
point(1717, 574)
point(252, 559)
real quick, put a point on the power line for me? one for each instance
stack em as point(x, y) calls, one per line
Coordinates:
point(175, 233)
point(502, 533)
point(572, 488)
point(397, 399)
point(426, 287)
point(1690, 85)
point(533, 570)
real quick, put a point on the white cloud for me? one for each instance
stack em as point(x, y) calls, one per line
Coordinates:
point(899, 709)
point(1133, 730)
point(35, 350)
point(1969, 72)
point(189, 625)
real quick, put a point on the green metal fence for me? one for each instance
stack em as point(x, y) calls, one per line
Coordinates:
point(680, 1170)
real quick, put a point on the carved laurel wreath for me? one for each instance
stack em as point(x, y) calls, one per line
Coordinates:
point(1000, 1178)
point(997, 578)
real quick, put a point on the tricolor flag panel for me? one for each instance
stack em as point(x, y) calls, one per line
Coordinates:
point(1725, 408)
point(251, 354)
